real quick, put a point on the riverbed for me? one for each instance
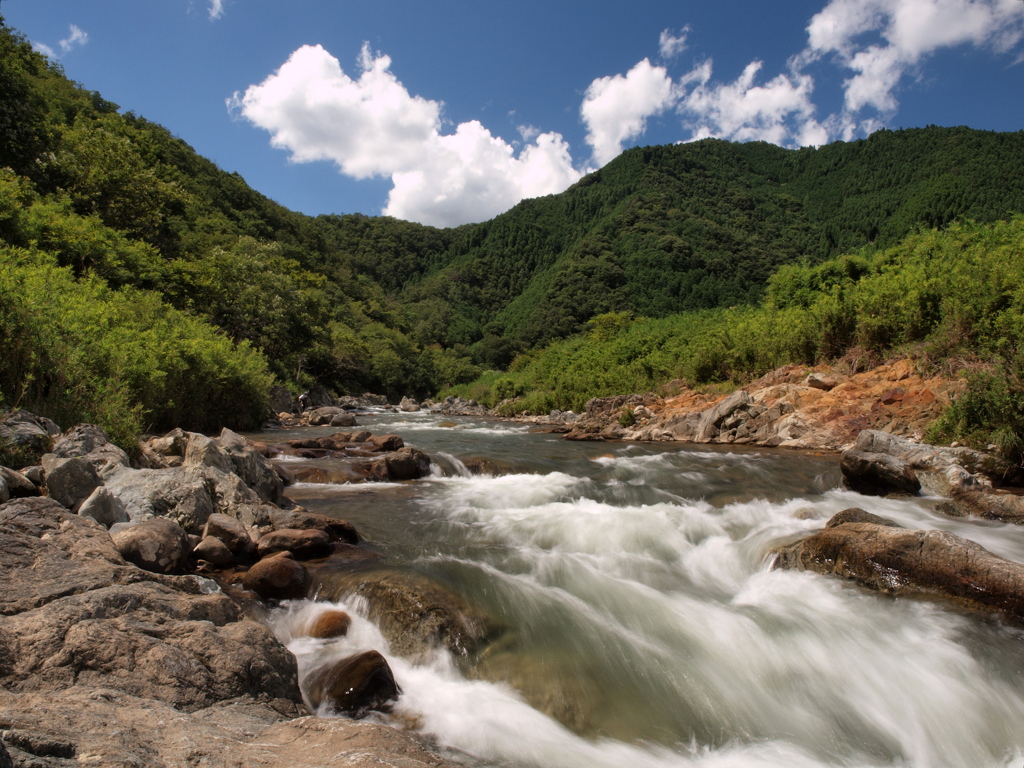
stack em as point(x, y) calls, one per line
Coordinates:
point(642, 622)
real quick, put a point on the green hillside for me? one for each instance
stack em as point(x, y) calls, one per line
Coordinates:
point(146, 288)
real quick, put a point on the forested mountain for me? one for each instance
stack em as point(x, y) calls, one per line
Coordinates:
point(120, 248)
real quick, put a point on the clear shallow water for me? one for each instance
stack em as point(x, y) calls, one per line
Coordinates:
point(644, 626)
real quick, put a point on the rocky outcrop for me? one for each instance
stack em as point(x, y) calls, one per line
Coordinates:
point(794, 406)
point(880, 555)
point(77, 614)
point(26, 433)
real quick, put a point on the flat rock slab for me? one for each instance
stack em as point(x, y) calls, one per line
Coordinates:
point(899, 561)
point(103, 727)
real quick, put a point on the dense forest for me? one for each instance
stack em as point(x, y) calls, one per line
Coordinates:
point(142, 287)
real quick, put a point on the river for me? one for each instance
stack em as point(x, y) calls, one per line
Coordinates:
point(645, 625)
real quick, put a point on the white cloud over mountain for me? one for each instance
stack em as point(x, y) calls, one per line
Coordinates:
point(76, 37)
point(372, 126)
point(616, 109)
point(369, 124)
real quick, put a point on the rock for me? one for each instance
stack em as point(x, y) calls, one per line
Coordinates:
point(353, 686)
point(89, 442)
point(5, 757)
point(5, 492)
point(232, 534)
point(255, 470)
point(159, 545)
point(713, 420)
point(344, 420)
point(878, 474)
point(385, 443)
point(408, 405)
point(278, 577)
point(323, 415)
point(80, 616)
point(336, 530)
point(858, 515)
point(414, 613)
point(27, 433)
point(903, 562)
point(187, 495)
point(281, 400)
point(214, 551)
point(69, 481)
point(822, 381)
point(111, 729)
point(173, 443)
point(202, 451)
point(103, 507)
point(330, 623)
point(18, 485)
point(303, 544)
point(404, 464)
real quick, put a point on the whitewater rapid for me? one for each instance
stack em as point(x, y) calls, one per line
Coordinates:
point(647, 628)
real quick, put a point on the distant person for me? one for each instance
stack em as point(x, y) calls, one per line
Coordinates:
point(304, 402)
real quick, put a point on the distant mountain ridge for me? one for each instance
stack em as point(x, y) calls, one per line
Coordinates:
point(361, 303)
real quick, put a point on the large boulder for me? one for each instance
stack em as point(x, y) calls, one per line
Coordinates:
point(69, 481)
point(404, 464)
point(408, 405)
point(880, 555)
point(251, 466)
point(415, 613)
point(159, 545)
point(878, 474)
point(89, 442)
point(103, 507)
point(232, 533)
point(353, 686)
point(188, 495)
point(25, 433)
point(18, 485)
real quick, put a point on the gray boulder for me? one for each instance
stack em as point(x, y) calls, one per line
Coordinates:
point(27, 432)
point(103, 507)
point(255, 470)
point(89, 442)
point(69, 481)
point(232, 533)
point(214, 551)
point(18, 485)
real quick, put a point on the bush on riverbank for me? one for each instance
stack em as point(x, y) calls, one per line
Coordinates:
point(950, 296)
point(79, 351)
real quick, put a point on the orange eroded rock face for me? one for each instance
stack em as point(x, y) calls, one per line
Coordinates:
point(802, 407)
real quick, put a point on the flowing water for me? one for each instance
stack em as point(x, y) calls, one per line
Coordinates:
point(644, 625)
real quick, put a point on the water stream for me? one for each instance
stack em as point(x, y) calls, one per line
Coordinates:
point(644, 625)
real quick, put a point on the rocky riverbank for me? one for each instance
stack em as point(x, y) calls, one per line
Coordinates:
point(116, 649)
point(793, 406)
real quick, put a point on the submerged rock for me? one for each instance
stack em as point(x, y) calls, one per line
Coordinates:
point(878, 554)
point(353, 686)
point(415, 613)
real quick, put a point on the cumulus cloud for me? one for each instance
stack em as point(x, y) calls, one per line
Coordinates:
point(372, 126)
point(44, 49)
point(615, 109)
point(778, 111)
point(881, 41)
point(76, 36)
point(671, 45)
point(216, 9)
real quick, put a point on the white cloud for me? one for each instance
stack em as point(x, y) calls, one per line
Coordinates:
point(216, 9)
point(903, 33)
point(616, 109)
point(670, 45)
point(372, 126)
point(780, 111)
point(45, 50)
point(75, 37)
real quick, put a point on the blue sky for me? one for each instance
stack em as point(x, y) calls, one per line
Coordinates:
point(451, 112)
